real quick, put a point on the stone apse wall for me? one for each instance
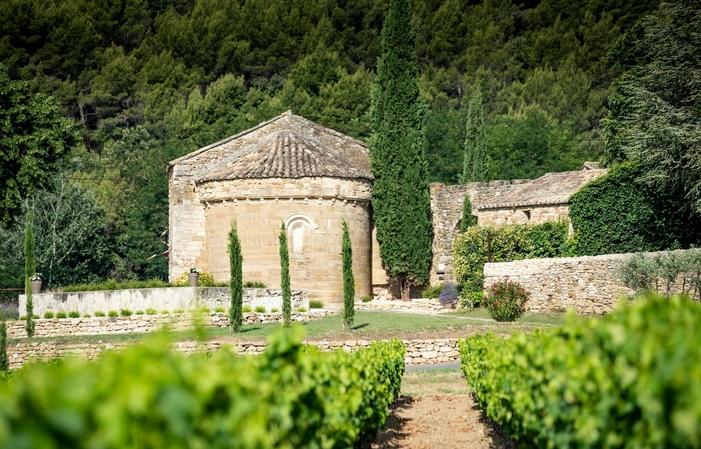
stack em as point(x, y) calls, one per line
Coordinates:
point(162, 299)
point(587, 284)
point(446, 208)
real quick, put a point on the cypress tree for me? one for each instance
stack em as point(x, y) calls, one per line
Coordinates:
point(236, 280)
point(474, 167)
point(348, 279)
point(4, 360)
point(29, 270)
point(285, 278)
point(467, 218)
point(400, 196)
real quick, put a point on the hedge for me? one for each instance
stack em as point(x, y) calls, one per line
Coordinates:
point(481, 244)
point(616, 214)
point(631, 379)
point(150, 397)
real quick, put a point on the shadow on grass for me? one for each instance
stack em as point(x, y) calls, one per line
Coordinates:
point(248, 329)
point(360, 326)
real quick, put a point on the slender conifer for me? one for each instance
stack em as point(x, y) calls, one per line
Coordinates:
point(236, 280)
point(29, 270)
point(285, 278)
point(348, 279)
point(474, 166)
point(467, 218)
point(400, 195)
point(4, 360)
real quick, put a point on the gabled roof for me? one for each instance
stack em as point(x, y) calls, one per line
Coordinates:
point(286, 154)
point(549, 189)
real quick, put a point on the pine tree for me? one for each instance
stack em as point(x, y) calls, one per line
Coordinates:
point(400, 196)
point(29, 270)
point(285, 277)
point(474, 167)
point(4, 360)
point(348, 279)
point(467, 218)
point(236, 280)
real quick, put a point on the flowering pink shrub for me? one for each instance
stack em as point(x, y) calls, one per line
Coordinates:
point(506, 300)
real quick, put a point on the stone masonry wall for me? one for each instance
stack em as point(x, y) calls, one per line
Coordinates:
point(587, 284)
point(446, 208)
point(160, 299)
point(523, 215)
point(418, 352)
point(55, 327)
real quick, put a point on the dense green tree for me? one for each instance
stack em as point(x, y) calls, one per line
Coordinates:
point(236, 279)
point(4, 360)
point(467, 218)
point(655, 113)
point(33, 137)
point(474, 166)
point(400, 196)
point(285, 277)
point(29, 270)
point(348, 279)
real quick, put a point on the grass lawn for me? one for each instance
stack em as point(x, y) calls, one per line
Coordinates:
point(440, 381)
point(368, 325)
point(549, 319)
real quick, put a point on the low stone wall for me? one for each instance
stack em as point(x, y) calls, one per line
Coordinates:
point(430, 305)
point(146, 323)
point(168, 299)
point(589, 285)
point(419, 352)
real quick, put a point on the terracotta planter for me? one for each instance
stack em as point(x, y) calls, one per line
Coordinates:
point(36, 287)
point(192, 279)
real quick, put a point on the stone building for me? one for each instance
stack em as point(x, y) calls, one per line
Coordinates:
point(289, 170)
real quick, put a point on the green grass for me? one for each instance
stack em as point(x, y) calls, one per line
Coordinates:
point(368, 325)
point(547, 319)
point(440, 381)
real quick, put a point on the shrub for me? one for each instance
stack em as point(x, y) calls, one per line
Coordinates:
point(87, 315)
point(165, 312)
point(617, 214)
point(629, 379)
point(254, 284)
point(301, 309)
point(125, 312)
point(139, 312)
point(179, 311)
point(74, 314)
point(48, 315)
point(315, 304)
point(259, 309)
point(470, 299)
point(112, 284)
point(274, 310)
point(151, 311)
point(449, 293)
point(668, 273)
point(433, 291)
point(220, 310)
point(506, 300)
point(329, 400)
point(60, 314)
point(204, 280)
point(246, 309)
point(22, 317)
point(481, 244)
point(366, 298)
point(112, 313)
point(99, 313)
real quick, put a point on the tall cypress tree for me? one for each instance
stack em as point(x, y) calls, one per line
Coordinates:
point(4, 360)
point(348, 279)
point(285, 278)
point(467, 218)
point(474, 166)
point(29, 270)
point(400, 196)
point(236, 280)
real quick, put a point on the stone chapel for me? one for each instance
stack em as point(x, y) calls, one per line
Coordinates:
point(286, 170)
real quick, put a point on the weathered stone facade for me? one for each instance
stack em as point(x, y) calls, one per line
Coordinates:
point(289, 170)
point(588, 285)
point(419, 352)
point(161, 299)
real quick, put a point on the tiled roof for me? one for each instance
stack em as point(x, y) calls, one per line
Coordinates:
point(549, 189)
point(285, 154)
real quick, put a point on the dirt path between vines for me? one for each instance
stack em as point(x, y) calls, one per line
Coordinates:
point(437, 411)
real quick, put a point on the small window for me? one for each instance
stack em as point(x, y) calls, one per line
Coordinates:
point(528, 214)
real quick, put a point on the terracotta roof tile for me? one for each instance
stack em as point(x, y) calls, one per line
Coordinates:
point(285, 154)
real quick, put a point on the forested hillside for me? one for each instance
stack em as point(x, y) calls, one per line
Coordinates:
point(147, 81)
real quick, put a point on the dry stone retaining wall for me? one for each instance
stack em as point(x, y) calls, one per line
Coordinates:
point(419, 352)
point(422, 304)
point(169, 299)
point(145, 323)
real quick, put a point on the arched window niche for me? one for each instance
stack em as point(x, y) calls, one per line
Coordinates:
point(297, 226)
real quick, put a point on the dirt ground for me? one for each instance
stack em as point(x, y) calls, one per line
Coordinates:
point(437, 411)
